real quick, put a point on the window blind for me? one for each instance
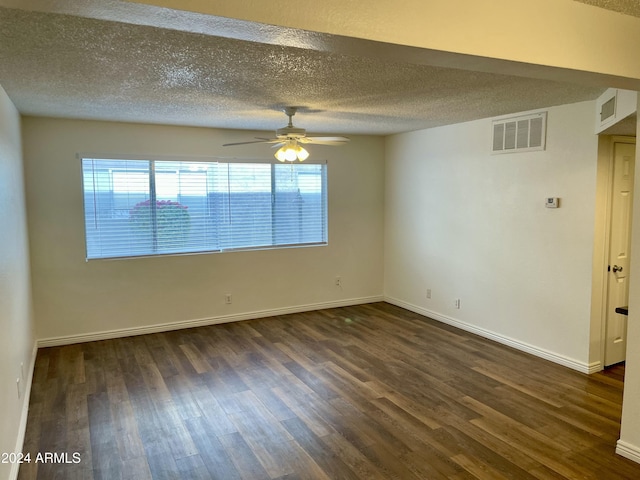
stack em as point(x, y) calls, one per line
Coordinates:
point(156, 207)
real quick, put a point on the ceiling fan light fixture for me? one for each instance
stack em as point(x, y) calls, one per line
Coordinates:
point(302, 153)
point(290, 152)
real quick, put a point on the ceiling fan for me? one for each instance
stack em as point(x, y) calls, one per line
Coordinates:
point(289, 139)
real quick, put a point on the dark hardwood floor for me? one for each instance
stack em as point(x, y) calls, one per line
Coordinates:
point(365, 392)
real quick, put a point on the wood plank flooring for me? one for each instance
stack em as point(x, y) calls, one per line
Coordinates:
point(365, 392)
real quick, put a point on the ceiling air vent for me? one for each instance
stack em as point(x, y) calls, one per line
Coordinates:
point(608, 109)
point(519, 134)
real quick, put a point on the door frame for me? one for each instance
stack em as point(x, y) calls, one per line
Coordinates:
point(602, 233)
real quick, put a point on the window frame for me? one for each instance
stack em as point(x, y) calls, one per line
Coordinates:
point(152, 159)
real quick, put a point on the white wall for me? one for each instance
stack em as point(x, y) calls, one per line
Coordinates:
point(16, 325)
point(471, 225)
point(73, 297)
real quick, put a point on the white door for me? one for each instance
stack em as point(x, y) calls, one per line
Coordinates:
point(619, 254)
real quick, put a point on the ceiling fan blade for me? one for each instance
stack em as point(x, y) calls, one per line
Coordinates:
point(260, 140)
point(242, 143)
point(325, 140)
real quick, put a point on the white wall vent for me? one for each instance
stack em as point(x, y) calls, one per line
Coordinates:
point(520, 134)
point(608, 109)
point(613, 106)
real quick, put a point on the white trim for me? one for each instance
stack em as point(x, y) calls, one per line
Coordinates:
point(22, 428)
point(582, 367)
point(626, 450)
point(594, 367)
point(525, 347)
point(200, 322)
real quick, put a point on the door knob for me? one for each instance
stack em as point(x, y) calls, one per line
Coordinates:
point(616, 268)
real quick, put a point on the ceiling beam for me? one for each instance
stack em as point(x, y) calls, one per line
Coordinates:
point(560, 40)
point(552, 39)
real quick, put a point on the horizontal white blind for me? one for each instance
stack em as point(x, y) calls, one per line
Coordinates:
point(154, 207)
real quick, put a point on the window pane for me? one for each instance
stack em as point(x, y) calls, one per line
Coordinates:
point(147, 207)
point(246, 219)
point(299, 215)
point(184, 195)
point(112, 188)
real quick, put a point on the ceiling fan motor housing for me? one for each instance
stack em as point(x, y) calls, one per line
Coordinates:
point(290, 132)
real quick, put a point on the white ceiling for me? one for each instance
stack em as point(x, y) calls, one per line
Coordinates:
point(100, 59)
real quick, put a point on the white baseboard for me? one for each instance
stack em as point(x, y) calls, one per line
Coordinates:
point(525, 347)
point(200, 322)
point(594, 367)
point(24, 414)
point(629, 451)
point(165, 327)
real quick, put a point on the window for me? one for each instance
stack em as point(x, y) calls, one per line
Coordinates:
point(154, 207)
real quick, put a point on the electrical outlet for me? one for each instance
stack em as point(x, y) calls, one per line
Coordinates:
point(428, 293)
point(228, 299)
point(456, 303)
point(338, 281)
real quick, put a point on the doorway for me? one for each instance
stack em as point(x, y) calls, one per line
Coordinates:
point(619, 254)
point(611, 250)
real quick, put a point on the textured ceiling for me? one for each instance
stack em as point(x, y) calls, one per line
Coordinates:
point(628, 7)
point(77, 65)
